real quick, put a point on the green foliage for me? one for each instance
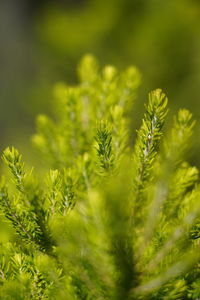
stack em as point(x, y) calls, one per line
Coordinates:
point(108, 220)
point(146, 145)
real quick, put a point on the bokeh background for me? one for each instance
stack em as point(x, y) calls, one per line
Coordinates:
point(41, 42)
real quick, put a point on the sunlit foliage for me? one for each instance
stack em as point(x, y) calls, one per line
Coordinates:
point(108, 221)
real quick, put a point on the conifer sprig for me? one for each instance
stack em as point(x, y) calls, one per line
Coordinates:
point(24, 209)
point(104, 147)
point(146, 146)
point(23, 221)
point(14, 161)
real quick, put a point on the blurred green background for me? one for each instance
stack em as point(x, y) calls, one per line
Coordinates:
point(42, 42)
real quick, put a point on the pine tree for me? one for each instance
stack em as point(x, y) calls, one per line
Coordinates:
point(107, 220)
